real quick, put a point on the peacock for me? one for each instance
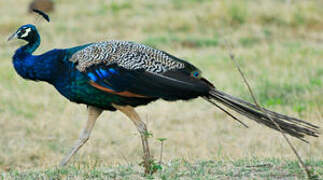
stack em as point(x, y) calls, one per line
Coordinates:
point(121, 75)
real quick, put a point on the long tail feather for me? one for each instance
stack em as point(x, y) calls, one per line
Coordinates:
point(292, 126)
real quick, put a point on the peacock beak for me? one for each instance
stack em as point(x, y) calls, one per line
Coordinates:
point(13, 36)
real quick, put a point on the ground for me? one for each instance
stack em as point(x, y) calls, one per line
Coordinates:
point(178, 169)
point(278, 44)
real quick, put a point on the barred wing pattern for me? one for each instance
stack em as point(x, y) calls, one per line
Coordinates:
point(129, 69)
point(129, 55)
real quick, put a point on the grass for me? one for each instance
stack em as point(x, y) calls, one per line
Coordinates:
point(278, 44)
point(191, 42)
point(176, 169)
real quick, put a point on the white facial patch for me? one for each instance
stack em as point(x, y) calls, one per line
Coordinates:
point(26, 33)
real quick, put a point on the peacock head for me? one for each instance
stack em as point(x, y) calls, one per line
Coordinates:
point(26, 32)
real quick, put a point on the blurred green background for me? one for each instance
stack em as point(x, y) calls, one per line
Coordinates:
point(279, 44)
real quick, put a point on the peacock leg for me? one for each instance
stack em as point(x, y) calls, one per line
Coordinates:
point(93, 114)
point(142, 128)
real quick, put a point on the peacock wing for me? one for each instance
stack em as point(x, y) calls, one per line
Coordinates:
point(135, 70)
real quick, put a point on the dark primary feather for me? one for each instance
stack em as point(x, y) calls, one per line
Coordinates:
point(169, 85)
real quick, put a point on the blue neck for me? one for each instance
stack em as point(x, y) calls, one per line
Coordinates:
point(32, 67)
point(32, 45)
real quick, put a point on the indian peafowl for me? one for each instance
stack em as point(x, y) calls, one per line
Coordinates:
point(120, 75)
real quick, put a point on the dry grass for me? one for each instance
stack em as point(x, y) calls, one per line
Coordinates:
point(279, 44)
point(175, 170)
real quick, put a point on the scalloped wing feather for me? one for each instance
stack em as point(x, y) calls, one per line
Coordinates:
point(129, 55)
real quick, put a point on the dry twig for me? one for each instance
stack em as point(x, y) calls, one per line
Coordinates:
point(301, 162)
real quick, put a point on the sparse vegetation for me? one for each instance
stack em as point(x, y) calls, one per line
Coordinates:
point(177, 169)
point(278, 44)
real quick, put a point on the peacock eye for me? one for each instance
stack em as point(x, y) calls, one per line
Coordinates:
point(195, 74)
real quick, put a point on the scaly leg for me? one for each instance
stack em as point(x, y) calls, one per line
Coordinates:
point(93, 114)
point(142, 128)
